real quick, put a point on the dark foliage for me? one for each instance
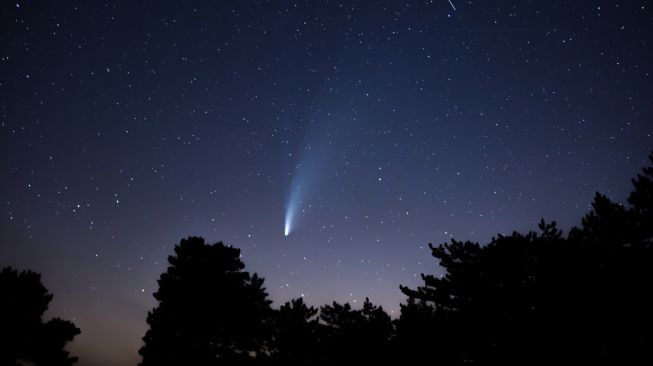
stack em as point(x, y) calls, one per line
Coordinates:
point(297, 335)
point(355, 336)
point(210, 310)
point(24, 337)
point(542, 298)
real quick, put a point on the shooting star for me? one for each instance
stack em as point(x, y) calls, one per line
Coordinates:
point(453, 7)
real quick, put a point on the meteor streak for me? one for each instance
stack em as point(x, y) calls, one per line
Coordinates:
point(454, 8)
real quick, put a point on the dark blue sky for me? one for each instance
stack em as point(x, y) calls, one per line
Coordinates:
point(127, 125)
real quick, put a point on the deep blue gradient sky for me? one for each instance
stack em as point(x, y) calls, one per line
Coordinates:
point(127, 125)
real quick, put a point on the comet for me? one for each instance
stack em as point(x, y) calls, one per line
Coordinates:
point(291, 208)
point(290, 214)
point(306, 172)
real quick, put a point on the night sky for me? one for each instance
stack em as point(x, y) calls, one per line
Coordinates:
point(365, 130)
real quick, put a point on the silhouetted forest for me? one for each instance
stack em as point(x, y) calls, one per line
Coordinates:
point(535, 298)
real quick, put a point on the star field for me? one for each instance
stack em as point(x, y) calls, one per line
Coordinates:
point(126, 126)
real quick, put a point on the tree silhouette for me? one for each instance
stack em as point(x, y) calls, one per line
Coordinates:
point(483, 303)
point(541, 298)
point(24, 337)
point(356, 336)
point(617, 245)
point(210, 311)
point(297, 334)
point(642, 201)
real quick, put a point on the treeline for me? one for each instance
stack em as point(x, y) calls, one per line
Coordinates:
point(211, 311)
point(536, 298)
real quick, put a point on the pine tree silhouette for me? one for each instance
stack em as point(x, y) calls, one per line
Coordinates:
point(210, 310)
point(355, 336)
point(541, 298)
point(297, 334)
point(24, 337)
